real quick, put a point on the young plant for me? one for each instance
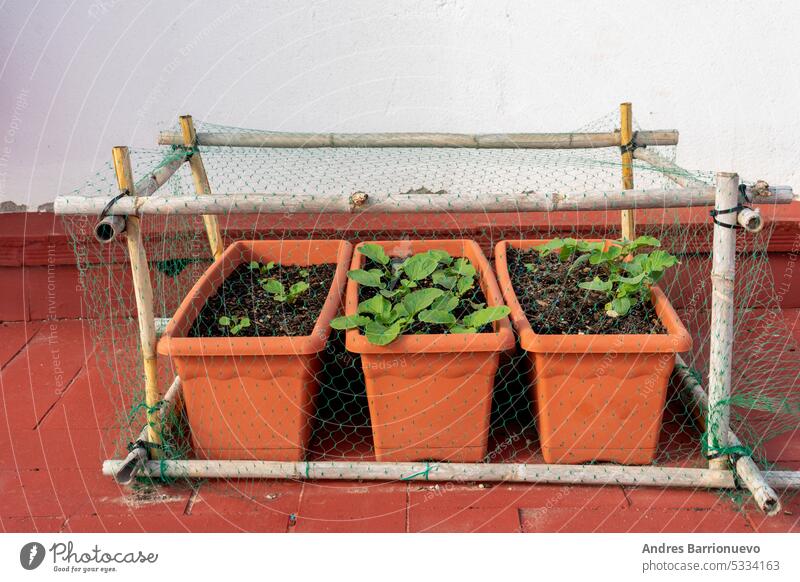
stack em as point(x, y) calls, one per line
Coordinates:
point(426, 287)
point(276, 289)
point(261, 268)
point(629, 275)
point(234, 323)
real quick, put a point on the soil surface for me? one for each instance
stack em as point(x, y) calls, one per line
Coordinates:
point(554, 304)
point(241, 295)
point(474, 295)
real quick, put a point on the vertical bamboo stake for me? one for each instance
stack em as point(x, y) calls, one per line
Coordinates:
point(143, 291)
point(625, 136)
point(722, 279)
point(201, 185)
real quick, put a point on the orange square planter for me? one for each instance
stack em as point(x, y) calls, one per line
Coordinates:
point(253, 397)
point(598, 397)
point(430, 395)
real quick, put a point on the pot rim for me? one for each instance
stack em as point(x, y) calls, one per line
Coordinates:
point(677, 338)
point(175, 343)
point(501, 339)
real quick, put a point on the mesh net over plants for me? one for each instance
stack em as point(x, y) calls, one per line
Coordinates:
point(431, 372)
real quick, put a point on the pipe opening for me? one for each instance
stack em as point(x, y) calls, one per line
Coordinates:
point(107, 229)
point(750, 220)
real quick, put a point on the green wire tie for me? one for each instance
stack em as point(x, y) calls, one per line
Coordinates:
point(425, 472)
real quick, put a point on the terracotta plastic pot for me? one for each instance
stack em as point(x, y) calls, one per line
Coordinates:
point(598, 397)
point(253, 397)
point(430, 395)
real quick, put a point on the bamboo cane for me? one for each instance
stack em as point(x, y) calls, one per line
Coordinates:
point(143, 291)
point(722, 277)
point(546, 141)
point(695, 398)
point(201, 185)
point(383, 202)
point(454, 472)
point(755, 193)
point(626, 142)
point(138, 455)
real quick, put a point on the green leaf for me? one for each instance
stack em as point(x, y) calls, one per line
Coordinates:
point(447, 302)
point(224, 320)
point(349, 321)
point(377, 305)
point(464, 284)
point(244, 322)
point(463, 267)
point(633, 280)
point(254, 265)
point(636, 265)
point(419, 266)
point(588, 247)
point(408, 284)
point(660, 260)
point(549, 246)
point(643, 241)
point(462, 329)
point(603, 257)
point(443, 279)
point(389, 294)
point(304, 272)
point(486, 315)
point(298, 288)
point(618, 307)
point(381, 335)
point(374, 252)
point(416, 301)
point(274, 286)
point(441, 256)
point(399, 312)
point(597, 284)
point(437, 316)
point(366, 278)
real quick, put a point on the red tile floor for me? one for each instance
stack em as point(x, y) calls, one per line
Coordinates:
point(58, 426)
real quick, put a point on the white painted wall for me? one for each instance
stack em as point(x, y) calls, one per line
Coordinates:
point(78, 77)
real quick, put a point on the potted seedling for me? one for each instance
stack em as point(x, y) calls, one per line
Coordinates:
point(429, 322)
point(602, 338)
point(247, 343)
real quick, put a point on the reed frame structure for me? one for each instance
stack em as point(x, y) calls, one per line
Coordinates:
point(120, 214)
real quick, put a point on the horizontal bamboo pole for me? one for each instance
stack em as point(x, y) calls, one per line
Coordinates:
point(234, 203)
point(684, 178)
point(751, 476)
point(459, 472)
point(453, 472)
point(549, 141)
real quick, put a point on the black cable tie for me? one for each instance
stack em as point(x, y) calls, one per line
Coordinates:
point(630, 146)
point(743, 192)
point(714, 213)
point(107, 207)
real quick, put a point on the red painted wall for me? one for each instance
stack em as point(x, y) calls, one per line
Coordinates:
point(39, 278)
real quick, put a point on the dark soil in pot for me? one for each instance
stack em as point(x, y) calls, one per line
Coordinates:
point(241, 295)
point(554, 304)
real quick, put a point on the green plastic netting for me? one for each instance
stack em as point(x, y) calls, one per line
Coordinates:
point(323, 411)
